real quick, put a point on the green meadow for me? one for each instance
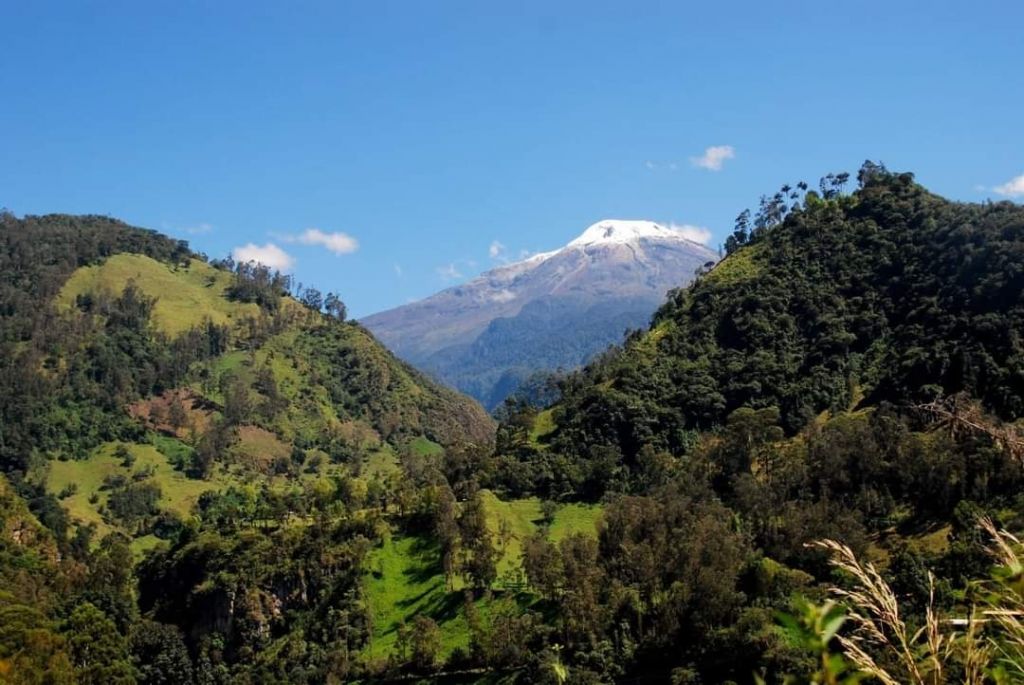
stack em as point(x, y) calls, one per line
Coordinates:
point(405, 577)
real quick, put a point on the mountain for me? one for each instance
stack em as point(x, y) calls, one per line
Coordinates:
point(111, 333)
point(207, 481)
point(553, 310)
point(153, 402)
point(889, 295)
point(853, 371)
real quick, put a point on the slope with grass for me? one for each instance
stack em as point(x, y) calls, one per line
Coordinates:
point(405, 578)
point(185, 294)
point(512, 521)
point(134, 342)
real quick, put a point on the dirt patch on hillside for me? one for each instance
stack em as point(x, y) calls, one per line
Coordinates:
point(258, 448)
point(178, 413)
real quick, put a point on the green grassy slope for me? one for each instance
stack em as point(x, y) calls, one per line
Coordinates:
point(342, 398)
point(405, 577)
point(511, 522)
point(184, 296)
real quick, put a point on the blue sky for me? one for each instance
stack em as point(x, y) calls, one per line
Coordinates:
point(426, 131)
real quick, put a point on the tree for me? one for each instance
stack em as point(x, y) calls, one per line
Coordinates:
point(425, 641)
point(446, 530)
point(31, 651)
point(583, 612)
point(98, 652)
point(740, 234)
point(176, 414)
point(748, 440)
point(542, 565)
point(160, 655)
point(213, 443)
point(237, 401)
point(312, 298)
point(480, 563)
point(335, 307)
point(124, 455)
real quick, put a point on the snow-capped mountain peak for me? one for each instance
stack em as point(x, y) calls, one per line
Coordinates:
point(622, 231)
point(550, 310)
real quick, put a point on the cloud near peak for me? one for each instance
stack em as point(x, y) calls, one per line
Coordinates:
point(697, 234)
point(496, 250)
point(714, 157)
point(269, 255)
point(449, 272)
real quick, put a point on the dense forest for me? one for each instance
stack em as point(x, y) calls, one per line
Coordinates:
point(211, 477)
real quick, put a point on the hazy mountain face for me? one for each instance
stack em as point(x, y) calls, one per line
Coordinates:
point(555, 309)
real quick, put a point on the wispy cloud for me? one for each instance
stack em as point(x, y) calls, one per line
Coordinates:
point(337, 242)
point(496, 250)
point(398, 269)
point(268, 255)
point(449, 272)
point(199, 229)
point(697, 234)
point(651, 165)
point(190, 229)
point(1012, 188)
point(714, 157)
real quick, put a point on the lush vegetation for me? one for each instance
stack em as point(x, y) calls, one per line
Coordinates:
point(852, 370)
point(154, 407)
point(260, 493)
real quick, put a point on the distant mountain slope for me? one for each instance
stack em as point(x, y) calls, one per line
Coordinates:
point(555, 309)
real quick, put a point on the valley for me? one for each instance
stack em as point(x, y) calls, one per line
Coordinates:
point(211, 476)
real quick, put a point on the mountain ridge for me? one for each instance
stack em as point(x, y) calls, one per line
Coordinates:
point(612, 262)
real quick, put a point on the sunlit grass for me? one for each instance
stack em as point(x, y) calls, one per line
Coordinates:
point(184, 296)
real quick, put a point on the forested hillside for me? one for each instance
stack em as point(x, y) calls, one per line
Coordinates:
point(146, 394)
point(211, 479)
point(890, 295)
point(852, 370)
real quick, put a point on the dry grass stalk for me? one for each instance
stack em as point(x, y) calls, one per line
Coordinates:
point(875, 614)
point(923, 656)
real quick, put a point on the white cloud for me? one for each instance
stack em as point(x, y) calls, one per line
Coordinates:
point(496, 250)
point(339, 243)
point(697, 234)
point(449, 272)
point(505, 295)
point(714, 157)
point(199, 229)
point(1012, 188)
point(655, 166)
point(398, 270)
point(268, 255)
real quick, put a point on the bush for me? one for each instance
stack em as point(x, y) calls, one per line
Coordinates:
point(134, 502)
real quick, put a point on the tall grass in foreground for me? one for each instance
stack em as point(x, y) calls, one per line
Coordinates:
point(866, 638)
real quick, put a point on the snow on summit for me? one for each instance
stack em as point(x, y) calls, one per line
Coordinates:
point(623, 231)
